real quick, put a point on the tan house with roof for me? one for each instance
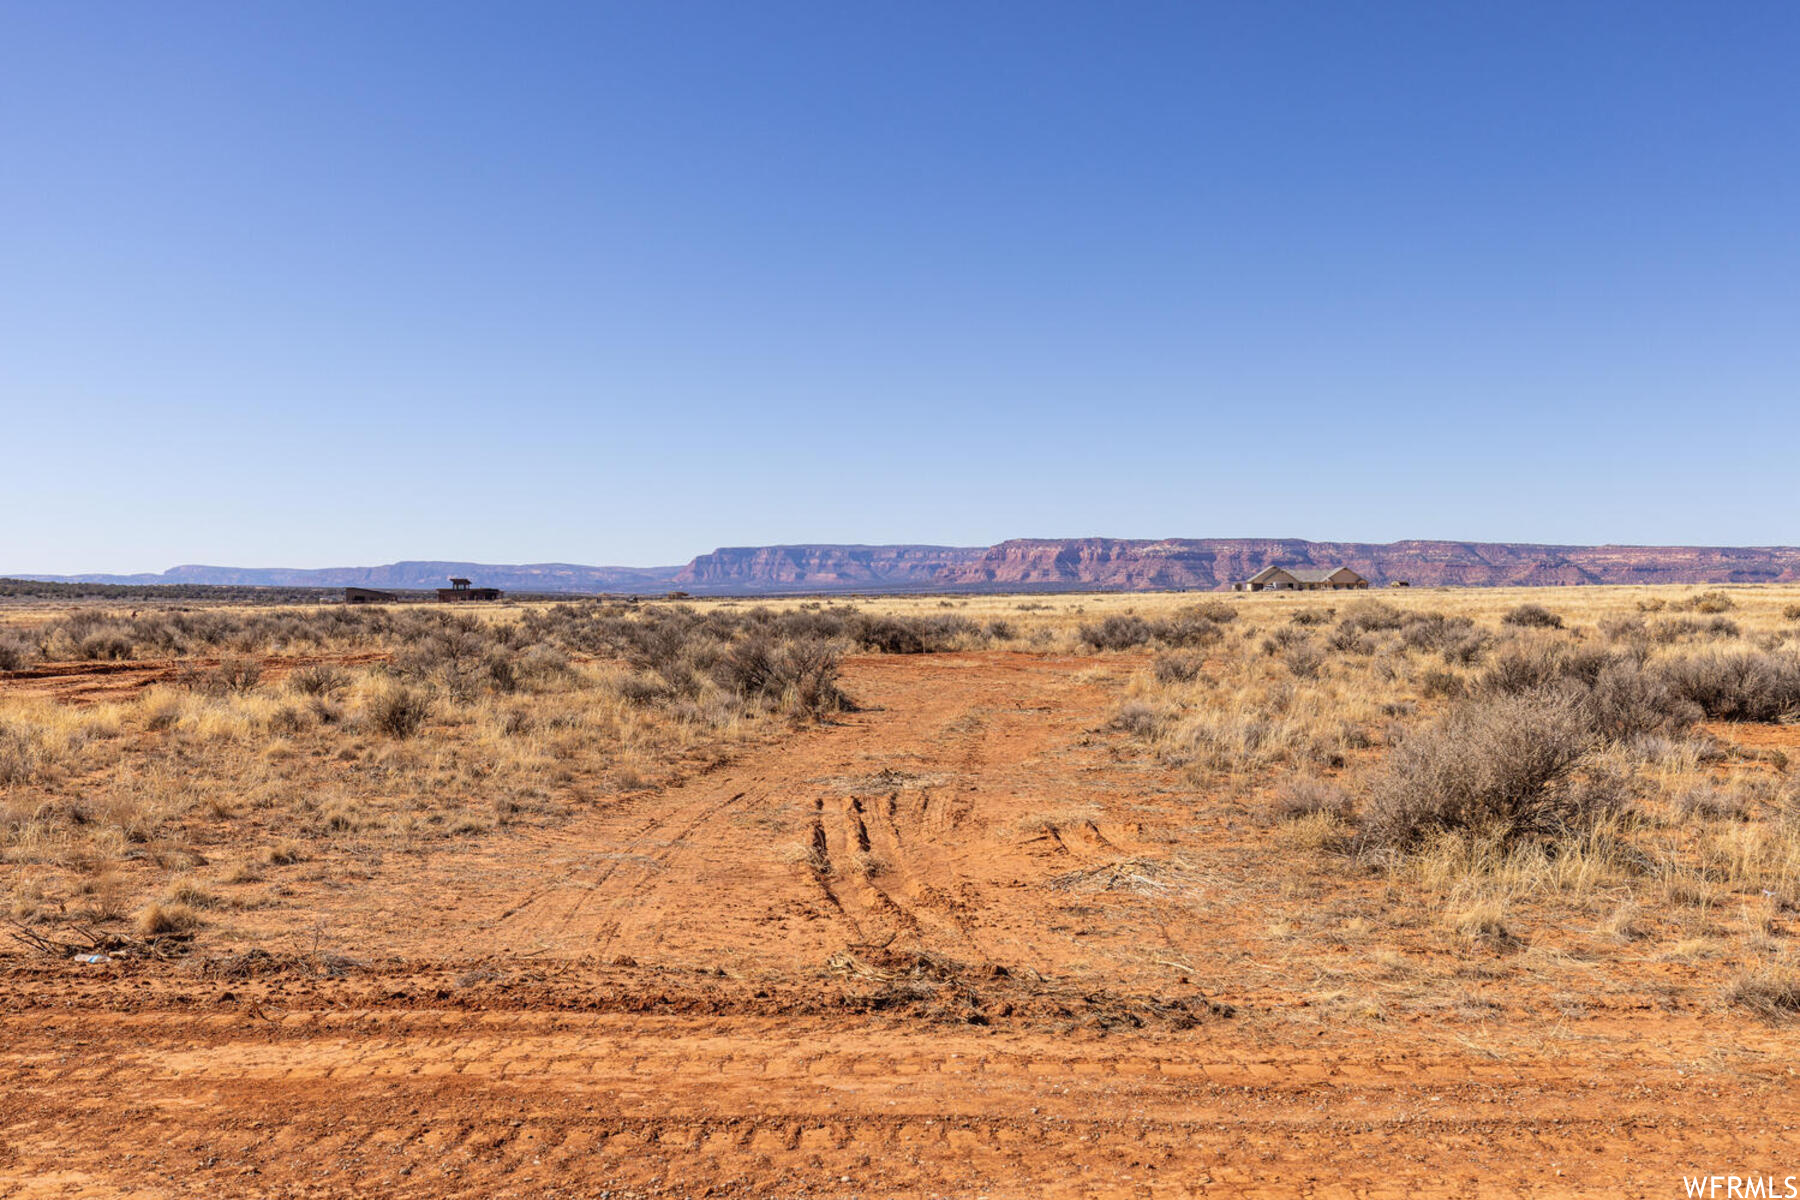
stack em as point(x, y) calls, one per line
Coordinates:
point(1302, 579)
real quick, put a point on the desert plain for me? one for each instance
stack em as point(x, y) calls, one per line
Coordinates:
point(1405, 892)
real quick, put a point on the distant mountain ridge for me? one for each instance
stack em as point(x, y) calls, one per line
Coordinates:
point(528, 577)
point(808, 568)
point(1047, 564)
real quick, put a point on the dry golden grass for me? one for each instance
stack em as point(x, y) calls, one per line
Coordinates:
point(111, 808)
point(1757, 609)
point(1701, 867)
point(194, 801)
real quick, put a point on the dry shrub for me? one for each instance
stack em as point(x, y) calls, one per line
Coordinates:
point(1624, 629)
point(1747, 686)
point(1627, 700)
point(1305, 796)
point(517, 722)
point(1284, 638)
point(1621, 924)
point(639, 689)
point(1708, 802)
point(1706, 602)
point(1312, 834)
point(288, 718)
point(467, 661)
point(1304, 660)
point(1350, 639)
point(22, 753)
point(1482, 922)
point(1532, 616)
point(1533, 665)
point(888, 635)
point(398, 710)
point(1681, 629)
point(16, 653)
point(189, 893)
point(1627, 696)
point(1500, 768)
point(1372, 616)
point(339, 816)
point(283, 854)
point(1772, 993)
point(1251, 737)
point(1361, 619)
point(1116, 633)
point(1190, 627)
point(1457, 637)
point(162, 710)
point(544, 665)
point(1138, 719)
point(325, 711)
point(1442, 684)
point(1178, 668)
point(163, 920)
point(237, 675)
point(1221, 612)
point(108, 645)
point(799, 676)
point(320, 680)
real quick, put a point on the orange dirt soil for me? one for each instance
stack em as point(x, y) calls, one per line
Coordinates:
point(964, 941)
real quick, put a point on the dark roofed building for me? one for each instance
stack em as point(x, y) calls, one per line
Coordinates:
point(356, 595)
point(459, 590)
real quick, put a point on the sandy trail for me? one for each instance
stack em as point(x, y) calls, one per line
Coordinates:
point(958, 943)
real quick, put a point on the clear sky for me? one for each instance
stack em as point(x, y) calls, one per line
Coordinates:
point(315, 283)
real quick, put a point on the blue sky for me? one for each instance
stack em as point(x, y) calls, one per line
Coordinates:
point(318, 283)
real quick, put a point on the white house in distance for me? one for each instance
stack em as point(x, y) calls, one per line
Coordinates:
point(1301, 579)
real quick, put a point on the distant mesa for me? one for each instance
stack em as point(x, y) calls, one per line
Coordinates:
point(848, 568)
point(1034, 564)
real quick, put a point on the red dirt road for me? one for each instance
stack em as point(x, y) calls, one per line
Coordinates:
point(964, 942)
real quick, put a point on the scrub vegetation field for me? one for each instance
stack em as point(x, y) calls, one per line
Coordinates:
point(1426, 891)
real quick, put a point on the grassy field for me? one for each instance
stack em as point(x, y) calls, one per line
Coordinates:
point(236, 742)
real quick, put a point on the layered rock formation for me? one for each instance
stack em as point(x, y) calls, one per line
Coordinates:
point(825, 568)
point(1215, 562)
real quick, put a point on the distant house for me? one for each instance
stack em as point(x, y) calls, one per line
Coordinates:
point(459, 590)
point(367, 596)
point(1301, 579)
